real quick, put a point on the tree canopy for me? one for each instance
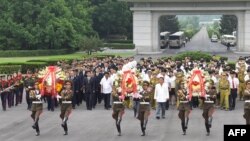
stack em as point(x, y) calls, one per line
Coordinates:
point(45, 24)
point(228, 24)
point(112, 17)
point(169, 23)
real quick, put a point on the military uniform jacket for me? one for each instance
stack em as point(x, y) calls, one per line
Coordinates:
point(36, 103)
point(184, 103)
point(224, 84)
point(247, 97)
point(66, 97)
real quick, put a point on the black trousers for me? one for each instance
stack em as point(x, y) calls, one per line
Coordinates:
point(232, 98)
point(89, 100)
point(106, 100)
point(99, 96)
point(28, 100)
point(10, 99)
point(20, 90)
point(76, 99)
point(51, 103)
point(195, 101)
point(4, 100)
point(94, 99)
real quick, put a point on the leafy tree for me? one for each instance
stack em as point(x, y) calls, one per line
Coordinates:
point(112, 17)
point(90, 44)
point(228, 24)
point(169, 23)
point(46, 24)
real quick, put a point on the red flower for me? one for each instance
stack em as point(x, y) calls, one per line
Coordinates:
point(129, 81)
point(195, 83)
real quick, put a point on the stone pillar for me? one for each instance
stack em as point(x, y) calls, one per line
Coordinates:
point(240, 31)
point(247, 32)
point(142, 31)
point(155, 33)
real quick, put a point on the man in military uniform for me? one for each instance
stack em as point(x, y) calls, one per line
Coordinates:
point(20, 86)
point(66, 107)
point(144, 108)
point(153, 82)
point(37, 106)
point(247, 103)
point(184, 106)
point(4, 93)
point(10, 92)
point(28, 83)
point(179, 79)
point(118, 109)
point(224, 89)
point(241, 77)
point(208, 107)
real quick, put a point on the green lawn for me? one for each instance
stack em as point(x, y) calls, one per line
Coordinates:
point(58, 57)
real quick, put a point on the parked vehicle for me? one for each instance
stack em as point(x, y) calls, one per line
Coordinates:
point(177, 40)
point(164, 39)
point(214, 38)
point(225, 39)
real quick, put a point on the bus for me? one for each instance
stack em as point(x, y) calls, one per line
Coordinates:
point(164, 39)
point(177, 40)
point(225, 39)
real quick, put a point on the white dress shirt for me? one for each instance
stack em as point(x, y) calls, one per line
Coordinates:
point(106, 85)
point(161, 92)
point(172, 81)
point(234, 82)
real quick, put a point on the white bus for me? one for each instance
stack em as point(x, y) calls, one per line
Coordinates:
point(164, 39)
point(225, 39)
point(177, 40)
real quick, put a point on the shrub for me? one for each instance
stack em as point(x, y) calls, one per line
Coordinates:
point(193, 55)
point(120, 41)
point(27, 53)
point(232, 65)
point(8, 69)
point(119, 46)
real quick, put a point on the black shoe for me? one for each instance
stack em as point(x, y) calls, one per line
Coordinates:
point(143, 133)
point(157, 117)
point(34, 126)
point(63, 125)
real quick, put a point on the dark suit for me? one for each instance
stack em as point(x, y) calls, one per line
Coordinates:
point(76, 87)
point(89, 88)
point(98, 87)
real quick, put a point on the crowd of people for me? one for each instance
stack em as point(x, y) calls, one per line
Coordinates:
point(163, 81)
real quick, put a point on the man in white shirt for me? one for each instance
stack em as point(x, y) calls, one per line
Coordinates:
point(172, 88)
point(234, 83)
point(106, 89)
point(161, 95)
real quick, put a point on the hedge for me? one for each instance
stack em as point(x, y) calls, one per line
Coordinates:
point(232, 65)
point(24, 66)
point(8, 69)
point(27, 53)
point(120, 41)
point(193, 56)
point(119, 46)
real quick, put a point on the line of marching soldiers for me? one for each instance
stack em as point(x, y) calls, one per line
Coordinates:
point(11, 90)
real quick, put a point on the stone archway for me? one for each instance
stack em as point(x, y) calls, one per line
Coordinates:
point(146, 14)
